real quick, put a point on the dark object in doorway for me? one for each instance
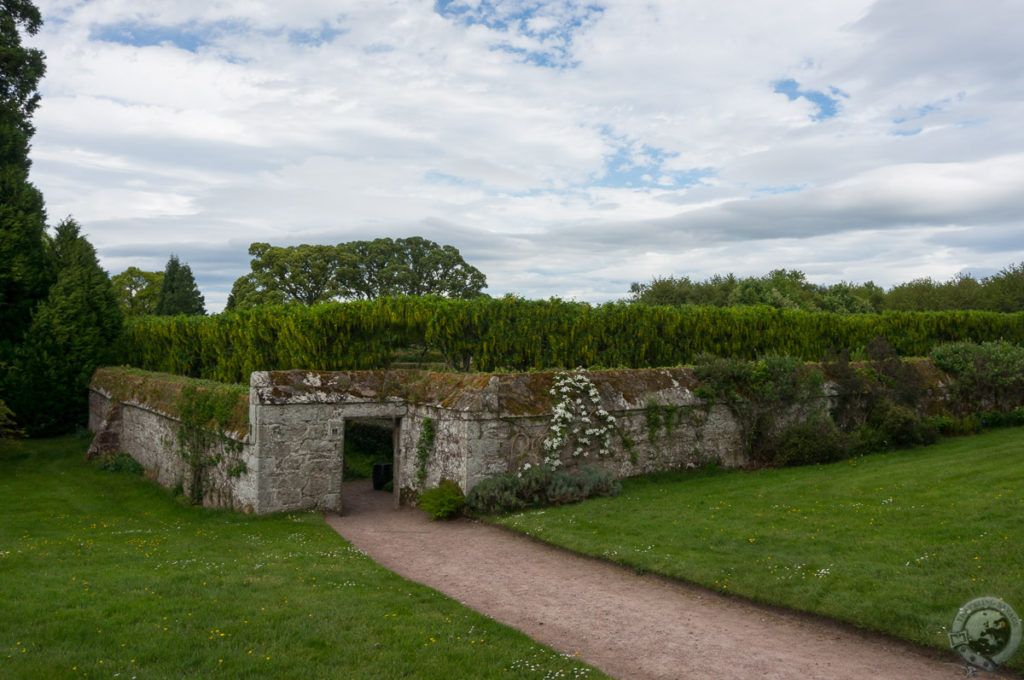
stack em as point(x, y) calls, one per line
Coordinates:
point(382, 474)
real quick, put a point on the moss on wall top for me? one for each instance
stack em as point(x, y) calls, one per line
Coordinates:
point(163, 392)
point(457, 391)
point(504, 394)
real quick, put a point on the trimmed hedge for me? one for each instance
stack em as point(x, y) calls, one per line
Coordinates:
point(513, 334)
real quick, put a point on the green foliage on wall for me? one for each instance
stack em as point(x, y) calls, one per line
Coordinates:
point(203, 440)
point(162, 392)
point(521, 335)
point(988, 376)
point(762, 396)
point(213, 416)
point(424, 447)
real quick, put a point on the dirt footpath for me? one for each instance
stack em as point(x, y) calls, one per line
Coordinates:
point(627, 625)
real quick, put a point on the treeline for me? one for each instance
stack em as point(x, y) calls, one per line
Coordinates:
point(790, 289)
point(514, 334)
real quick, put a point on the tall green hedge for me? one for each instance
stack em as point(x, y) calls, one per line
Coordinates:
point(494, 334)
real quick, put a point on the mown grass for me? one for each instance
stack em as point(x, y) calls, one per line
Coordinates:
point(105, 575)
point(896, 542)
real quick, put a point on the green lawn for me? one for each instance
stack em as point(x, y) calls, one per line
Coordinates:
point(894, 542)
point(105, 575)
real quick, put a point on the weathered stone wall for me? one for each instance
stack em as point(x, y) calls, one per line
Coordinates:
point(497, 425)
point(484, 425)
point(298, 418)
point(151, 438)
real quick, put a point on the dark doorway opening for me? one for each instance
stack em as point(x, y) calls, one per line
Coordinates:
point(369, 450)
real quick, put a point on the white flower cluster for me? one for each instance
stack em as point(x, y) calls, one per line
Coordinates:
point(577, 420)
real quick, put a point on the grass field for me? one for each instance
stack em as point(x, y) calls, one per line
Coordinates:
point(105, 575)
point(894, 542)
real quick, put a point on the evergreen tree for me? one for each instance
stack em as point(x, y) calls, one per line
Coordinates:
point(24, 274)
point(179, 293)
point(73, 331)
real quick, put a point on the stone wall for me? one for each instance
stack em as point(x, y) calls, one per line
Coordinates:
point(484, 425)
point(151, 438)
point(505, 427)
point(298, 420)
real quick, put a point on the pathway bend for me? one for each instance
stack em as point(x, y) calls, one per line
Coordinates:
point(627, 625)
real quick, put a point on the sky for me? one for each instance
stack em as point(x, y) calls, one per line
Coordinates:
point(565, 148)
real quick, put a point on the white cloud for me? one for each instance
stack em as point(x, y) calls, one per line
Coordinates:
point(501, 128)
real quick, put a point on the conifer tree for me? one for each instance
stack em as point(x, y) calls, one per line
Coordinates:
point(24, 274)
point(179, 293)
point(73, 331)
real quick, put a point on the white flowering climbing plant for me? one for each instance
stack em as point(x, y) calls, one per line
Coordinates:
point(578, 421)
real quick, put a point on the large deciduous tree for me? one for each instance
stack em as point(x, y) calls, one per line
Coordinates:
point(179, 293)
point(408, 266)
point(248, 292)
point(311, 274)
point(304, 273)
point(74, 330)
point(137, 291)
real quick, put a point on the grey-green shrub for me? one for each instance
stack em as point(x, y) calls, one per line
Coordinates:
point(540, 486)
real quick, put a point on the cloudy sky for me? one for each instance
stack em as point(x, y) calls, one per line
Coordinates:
point(566, 148)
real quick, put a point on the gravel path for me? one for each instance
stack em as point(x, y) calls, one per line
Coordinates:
point(627, 625)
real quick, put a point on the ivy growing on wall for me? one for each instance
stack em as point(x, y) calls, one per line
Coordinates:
point(761, 395)
point(203, 441)
point(424, 447)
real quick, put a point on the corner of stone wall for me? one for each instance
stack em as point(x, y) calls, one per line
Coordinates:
point(150, 437)
point(107, 439)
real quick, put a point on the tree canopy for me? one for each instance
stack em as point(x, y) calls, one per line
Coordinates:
point(179, 293)
point(408, 266)
point(137, 291)
point(22, 67)
point(311, 274)
point(304, 273)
